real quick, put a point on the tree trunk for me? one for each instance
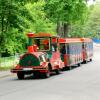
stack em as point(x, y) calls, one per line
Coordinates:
point(62, 29)
point(7, 23)
point(59, 28)
point(66, 29)
point(2, 24)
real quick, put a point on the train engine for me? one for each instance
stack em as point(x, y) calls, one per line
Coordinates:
point(42, 57)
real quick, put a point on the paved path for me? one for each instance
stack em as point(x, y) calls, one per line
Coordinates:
point(82, 83)
point(5, 73)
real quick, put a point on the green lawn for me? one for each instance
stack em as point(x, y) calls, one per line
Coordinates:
point(7, 63)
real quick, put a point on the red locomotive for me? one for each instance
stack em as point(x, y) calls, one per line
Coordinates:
point(48, 53)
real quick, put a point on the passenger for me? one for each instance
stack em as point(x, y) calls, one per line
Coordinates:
point(54, 47)
point(35, 48)
point(46, 46)
point(63, 50)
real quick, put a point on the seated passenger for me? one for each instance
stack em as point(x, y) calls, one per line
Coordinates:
point(63, 50)
point(46, 46)
point(35, 48)
point(54, 47)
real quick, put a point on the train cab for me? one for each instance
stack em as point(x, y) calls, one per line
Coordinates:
point(42, 56)
point(48, 44)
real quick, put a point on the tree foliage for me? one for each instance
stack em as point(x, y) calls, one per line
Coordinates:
point(92, 27)
point(18, 17)
point(66, 12)
point(10, 26)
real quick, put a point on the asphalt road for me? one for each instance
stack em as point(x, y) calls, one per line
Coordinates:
point(81, 83)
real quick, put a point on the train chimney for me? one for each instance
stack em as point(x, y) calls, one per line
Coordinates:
point(30, 42)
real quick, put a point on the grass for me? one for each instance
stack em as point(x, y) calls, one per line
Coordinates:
point(5, 68)
point(6, 63)
point(3, 59)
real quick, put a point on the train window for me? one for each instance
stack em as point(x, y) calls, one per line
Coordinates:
point(68, 49)
point(82, 46)
point(54, 46)
point(73, 48)
point(90, 46)
point(63, 48)
point(42, 43)
point(78, 48)
point(42, 58)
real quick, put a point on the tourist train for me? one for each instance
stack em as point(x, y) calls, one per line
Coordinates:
point(48, 53)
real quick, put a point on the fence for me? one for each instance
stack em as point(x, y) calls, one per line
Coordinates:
point(9, 62)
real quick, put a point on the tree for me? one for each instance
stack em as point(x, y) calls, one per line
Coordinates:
point(38, 22)
point(9, 25)
point(65, 12)
point(93, 25)
point(19, 17)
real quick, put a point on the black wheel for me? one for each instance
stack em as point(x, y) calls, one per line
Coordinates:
point(90, 59)
point(85, 62)
point(45, 75)
point(69, 67)
point(36, 74)
point(20, 75)
point(64, 69)
point(78, 64)
point(57, 71)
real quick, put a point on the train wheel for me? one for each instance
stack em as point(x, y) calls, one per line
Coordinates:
point(78, 64)
point(90, 59)
point(20, 75)
point(36, 74)
point(57, 71)
point(46, 75)
point(85, 62)
point(69, 68)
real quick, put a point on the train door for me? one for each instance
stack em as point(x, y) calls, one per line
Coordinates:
point(91, 50)
point(88, 51)
point(63, 50)
point(66, 57)
point(71, 54)
point(84, 50)
point(64, 53)
point(54, 53)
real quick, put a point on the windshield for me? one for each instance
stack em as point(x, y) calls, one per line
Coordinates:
point(43, 44)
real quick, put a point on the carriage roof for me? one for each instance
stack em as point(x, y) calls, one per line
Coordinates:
point(69, 40)
point(39, 35)
point(86, 40)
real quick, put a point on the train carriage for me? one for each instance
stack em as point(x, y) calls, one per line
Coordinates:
point(71, 51)
point(87, 47)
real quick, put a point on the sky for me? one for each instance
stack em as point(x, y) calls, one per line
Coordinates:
point(90, 2)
